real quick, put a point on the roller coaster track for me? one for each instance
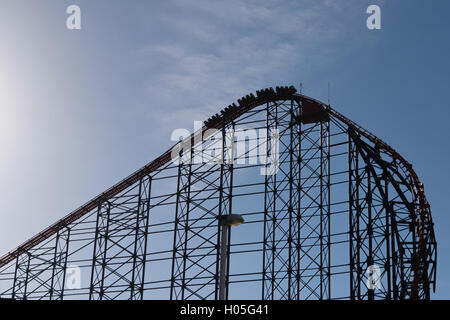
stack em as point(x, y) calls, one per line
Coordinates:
point(425, 224)
point(424, 234)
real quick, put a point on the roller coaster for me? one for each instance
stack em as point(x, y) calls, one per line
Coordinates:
point(344, 217)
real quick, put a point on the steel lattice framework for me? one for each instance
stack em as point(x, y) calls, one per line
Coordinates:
point(342, 203)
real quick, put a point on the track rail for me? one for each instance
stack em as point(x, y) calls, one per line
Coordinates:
point(423, 213)
point(232, 112)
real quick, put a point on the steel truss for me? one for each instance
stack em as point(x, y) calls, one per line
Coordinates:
point(343, 216)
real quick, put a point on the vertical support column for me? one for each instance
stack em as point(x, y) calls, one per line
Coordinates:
point(281, 243)
point(140, 240)
point(314, 217)
point(414, 285)
point(358, 212)
point(369, 228)
point(351, 220)
point(291, 194)
point(294, 203)
point(329, 208)
point(99, 262)
point(324, 208)
point(395, 262)
point(363, 206)
point(118, 261)
point(354, 220)
point(59, 264)
point(387, 231)
point(298, 201)
point(321, 224)
point(21, 274)
point(225, 204)
point(195, 236)
point(270, 213)
point(181, 230)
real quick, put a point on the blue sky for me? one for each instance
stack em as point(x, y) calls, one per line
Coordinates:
point(81, 109)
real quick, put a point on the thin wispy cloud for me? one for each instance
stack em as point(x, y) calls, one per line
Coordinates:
point(79, 103)
point(230, 48)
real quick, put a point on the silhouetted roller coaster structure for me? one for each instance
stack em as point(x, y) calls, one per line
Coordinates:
point(344, 217)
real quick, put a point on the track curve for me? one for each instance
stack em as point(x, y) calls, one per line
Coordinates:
point(424, 247)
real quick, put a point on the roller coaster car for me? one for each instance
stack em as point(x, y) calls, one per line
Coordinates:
point(247, 100)
point(313, 112)
point(229, 110)
point(211, 122)
point(267, 94)
point(285, 92)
